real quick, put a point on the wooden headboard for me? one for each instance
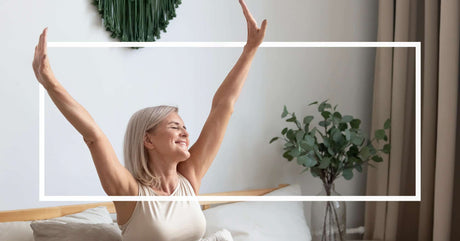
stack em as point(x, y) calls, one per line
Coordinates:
point(59, 211)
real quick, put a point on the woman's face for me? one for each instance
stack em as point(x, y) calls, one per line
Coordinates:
point(170, 138)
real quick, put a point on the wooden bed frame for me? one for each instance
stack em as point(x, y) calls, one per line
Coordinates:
point(53, 212)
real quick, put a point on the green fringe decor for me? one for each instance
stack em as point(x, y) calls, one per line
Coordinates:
point(136, 20)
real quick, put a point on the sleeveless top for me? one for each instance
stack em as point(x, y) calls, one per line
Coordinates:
point(166, 220)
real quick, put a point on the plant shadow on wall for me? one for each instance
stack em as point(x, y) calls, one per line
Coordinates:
point(337, 151)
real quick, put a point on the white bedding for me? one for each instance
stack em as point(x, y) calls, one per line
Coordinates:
point(262, 221)
point(243, 221)
point(21, 231)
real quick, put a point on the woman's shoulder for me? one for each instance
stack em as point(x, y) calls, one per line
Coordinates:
point(186, 184)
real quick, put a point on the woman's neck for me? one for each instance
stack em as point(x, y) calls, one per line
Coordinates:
point(167, 173)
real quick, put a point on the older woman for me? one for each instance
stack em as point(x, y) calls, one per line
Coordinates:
point(156, 150)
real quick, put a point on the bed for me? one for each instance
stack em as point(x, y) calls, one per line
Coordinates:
point(242, 221)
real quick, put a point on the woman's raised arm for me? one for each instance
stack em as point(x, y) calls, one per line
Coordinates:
point(203, 152)
point(115, 179)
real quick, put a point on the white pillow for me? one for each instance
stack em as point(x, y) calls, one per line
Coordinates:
point(262, 221)
point(16, 231)
point(92, 215)
point(21, 231)
point(58, 231)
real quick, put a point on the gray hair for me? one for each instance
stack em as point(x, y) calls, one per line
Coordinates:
point(135, 155)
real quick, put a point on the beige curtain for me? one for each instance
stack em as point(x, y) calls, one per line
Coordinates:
point(436, 24)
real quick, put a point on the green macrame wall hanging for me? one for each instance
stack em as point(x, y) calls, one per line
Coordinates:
point(136, 20)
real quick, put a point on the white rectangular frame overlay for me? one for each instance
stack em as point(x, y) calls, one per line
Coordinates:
point(417, 197)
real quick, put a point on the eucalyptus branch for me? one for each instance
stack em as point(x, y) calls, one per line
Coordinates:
point(343, 146)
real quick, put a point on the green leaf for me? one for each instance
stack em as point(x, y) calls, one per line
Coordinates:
point(326, 114)
point(333, 130)
point(305, 146)
point(273, 139)
point(313, 103)
point(356, 139)
point(324, 123)
point(387, 124)
point(294, 152)
point(324, 105)
point(377, 159)
point(364, 153)
point(337, 137)
point(353, 151)
point(386, 148)
point(289, 144)
point(306, 160)
point(325, 163)
point(285, 112)
point(284, 131)
point(359, 168)
point(355, 123)
point(343, 126)
point(299, 136)
point(310, 140)
point(310, 162)
point(372, 149)
point(287, 156)
point(347, 118)
point(290, 135)
point(379, 134)
point(316, 151)
point(337, 115)
point(353, 160)
point(315, 172)
point(304, 170)
point(292, 119)
point(301, 160)
point(313, 131)
point(326, 142)
point(348, 173)
point(347, 135)
point(307, 119)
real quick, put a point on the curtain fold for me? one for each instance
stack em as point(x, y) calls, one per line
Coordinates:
point(447, 118)
point(436, 24)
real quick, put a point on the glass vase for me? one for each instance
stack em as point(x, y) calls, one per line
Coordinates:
point(328, 219)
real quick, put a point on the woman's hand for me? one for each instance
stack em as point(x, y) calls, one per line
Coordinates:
point(255, 34)
point(41, 65)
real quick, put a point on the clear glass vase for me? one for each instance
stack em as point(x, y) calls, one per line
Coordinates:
point(328, 219)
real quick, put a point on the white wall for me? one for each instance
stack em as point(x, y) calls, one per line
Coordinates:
point(113, 83)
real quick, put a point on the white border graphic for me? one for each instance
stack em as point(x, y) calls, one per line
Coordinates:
point(417, 197)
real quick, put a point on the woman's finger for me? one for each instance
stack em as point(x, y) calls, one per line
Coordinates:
point(42, 42)
point(244, 7)
point(246, 12)
point(264, 26)
point(45, 49)
point(39, 46)
point(35, 54)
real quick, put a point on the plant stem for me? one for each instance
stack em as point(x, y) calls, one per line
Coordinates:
point(324, 224)
point(330, 216)
point(337, 222)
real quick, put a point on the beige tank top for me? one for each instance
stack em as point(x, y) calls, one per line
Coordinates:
point(165, 220)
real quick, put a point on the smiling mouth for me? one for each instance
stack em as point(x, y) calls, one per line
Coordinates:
point(182, 143)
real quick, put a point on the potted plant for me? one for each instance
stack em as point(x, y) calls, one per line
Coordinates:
point(336, 148)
